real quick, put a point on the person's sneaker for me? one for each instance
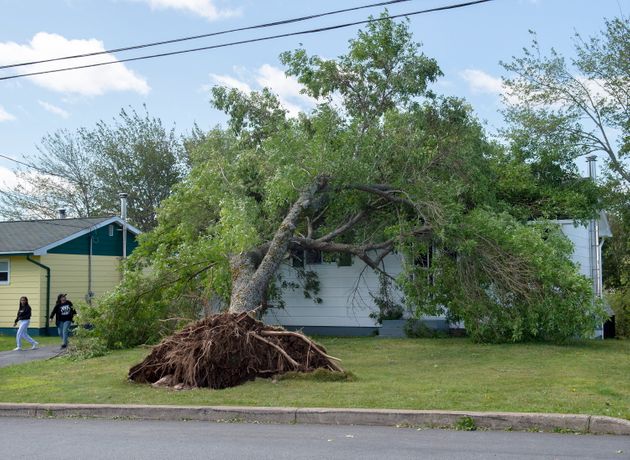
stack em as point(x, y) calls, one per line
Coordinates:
point(35, 346)
point(63, 346)
point(17, 349)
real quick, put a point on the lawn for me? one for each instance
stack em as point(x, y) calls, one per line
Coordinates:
point(7, 342)
point(588, 377)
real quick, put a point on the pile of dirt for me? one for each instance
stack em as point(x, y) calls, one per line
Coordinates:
point(226, 350)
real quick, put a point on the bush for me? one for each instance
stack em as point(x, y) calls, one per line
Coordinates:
point(87, 345)
point(619, 300)
point(416, 329)
point(385, 300)
point(508, 282)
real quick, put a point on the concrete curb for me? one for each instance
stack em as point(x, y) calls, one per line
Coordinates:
point(594, 424)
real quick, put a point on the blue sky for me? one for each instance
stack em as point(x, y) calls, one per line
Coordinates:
point(468, 44)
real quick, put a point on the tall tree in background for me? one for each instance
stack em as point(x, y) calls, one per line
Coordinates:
point(394, 168)
point(84, 171)
point(62, 174)
point(584, 102)
point(136, 155)
point(560, 109)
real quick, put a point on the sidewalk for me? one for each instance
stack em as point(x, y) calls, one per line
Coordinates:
point(8, 358)
point(593, 424)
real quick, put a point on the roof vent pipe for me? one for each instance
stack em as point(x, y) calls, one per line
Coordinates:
point(595, 254)
point(61, 213)
point(123, 216)
point(123, 205)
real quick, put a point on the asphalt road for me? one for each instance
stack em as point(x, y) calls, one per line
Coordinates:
point(28, 438)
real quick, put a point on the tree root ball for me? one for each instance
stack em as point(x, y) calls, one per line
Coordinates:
point(226, 350)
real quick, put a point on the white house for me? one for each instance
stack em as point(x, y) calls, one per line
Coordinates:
point(347, 291)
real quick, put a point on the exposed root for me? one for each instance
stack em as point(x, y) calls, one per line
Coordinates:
point(226, 350)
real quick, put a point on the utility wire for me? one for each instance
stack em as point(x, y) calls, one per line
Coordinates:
point(212, 34)
point(17, 161)
point(253, 40)
point(30, 166)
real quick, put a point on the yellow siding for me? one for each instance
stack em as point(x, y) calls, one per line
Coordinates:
point(25, 278)
point(69, 274)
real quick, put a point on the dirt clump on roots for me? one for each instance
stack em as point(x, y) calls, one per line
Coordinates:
point(228, 349)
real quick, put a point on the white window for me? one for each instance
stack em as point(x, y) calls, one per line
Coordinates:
point(4, 271)
point(111, 230)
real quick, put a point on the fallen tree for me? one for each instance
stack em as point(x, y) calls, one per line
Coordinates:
point(229, 349)
point(396, 171)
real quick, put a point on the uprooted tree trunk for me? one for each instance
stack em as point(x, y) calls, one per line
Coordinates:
point(228, 349)
point(250, 279)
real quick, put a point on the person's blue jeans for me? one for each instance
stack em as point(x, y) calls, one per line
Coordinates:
point(63, 328)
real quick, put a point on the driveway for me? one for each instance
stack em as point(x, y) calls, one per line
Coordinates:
point(8, 358)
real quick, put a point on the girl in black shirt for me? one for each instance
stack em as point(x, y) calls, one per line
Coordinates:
point(65, 313)
point(24, 318)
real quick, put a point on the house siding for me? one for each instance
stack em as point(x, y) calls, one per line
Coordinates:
point(346, 294)
point(102, 243)
point(578, 235)
point(26, 279)
point(69, 274)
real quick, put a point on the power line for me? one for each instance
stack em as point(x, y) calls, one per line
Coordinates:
point(17, 161)
point(253, 40)
point(30, 166)
point(212, 34)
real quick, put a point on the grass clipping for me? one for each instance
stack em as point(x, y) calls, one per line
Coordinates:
point(228, 349)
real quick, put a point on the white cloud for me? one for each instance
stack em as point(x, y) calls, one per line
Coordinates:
point(87, 82)
point(230, 82)
point(203, 8)
point(481, 82)
point(54, 109)
point(287, 88)
point(5, 116)
point(7, 178)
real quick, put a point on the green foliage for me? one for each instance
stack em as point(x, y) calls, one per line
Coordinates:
point(507, 281)
point(417, 329)
point(616, 251)
point(619, 300)
point(86, 170)
point(87, 345)
point(122, 320)
point(135, 154)
point(408, 171)
point(466, 424)
point(577, 101)
point(382, 70)
point(388, 306)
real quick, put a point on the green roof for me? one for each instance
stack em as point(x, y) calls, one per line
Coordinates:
point(37, 236)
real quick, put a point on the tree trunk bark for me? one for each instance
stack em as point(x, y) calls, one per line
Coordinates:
point(249, 280)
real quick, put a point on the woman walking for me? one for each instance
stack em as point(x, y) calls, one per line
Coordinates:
point(24, 318)
point(65, 313)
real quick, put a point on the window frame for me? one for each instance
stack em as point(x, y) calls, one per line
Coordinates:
point(8, 271)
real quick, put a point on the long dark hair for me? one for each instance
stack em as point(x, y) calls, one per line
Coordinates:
point(20, 303)
point(59, 299)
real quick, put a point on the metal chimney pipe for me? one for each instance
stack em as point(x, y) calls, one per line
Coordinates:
point(123, 216)
point(123, 205)
point(61, 213)
point(595, 253)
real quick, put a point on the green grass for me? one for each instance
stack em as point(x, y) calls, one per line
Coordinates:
point(7, 342)
point(453, 374)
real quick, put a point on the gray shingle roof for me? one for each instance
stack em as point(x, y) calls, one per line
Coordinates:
point(27, 236)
